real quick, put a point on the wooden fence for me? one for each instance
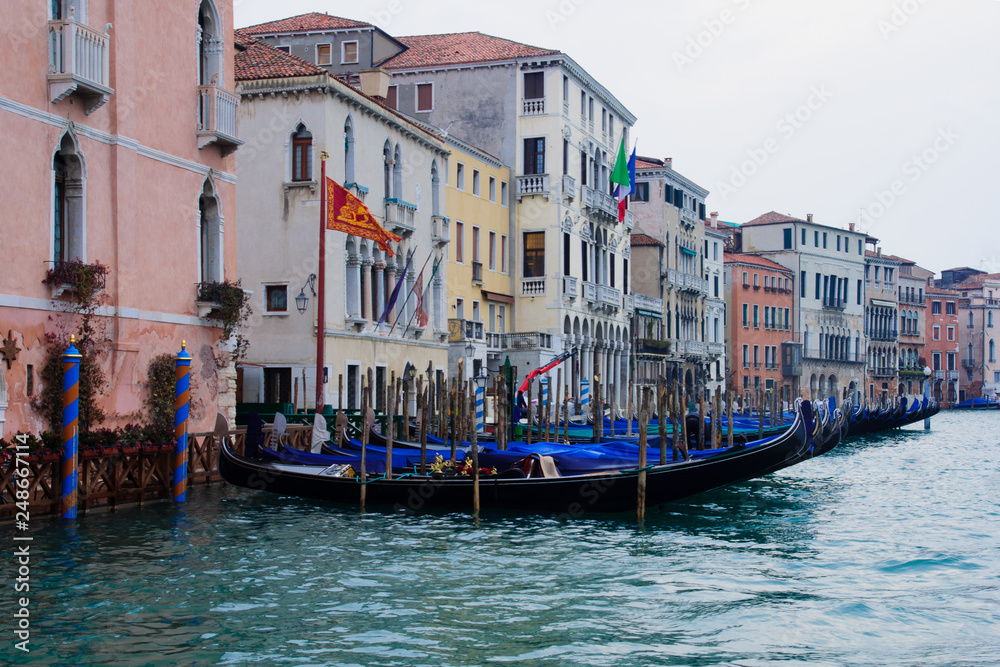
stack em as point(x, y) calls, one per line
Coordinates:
point(124, 475)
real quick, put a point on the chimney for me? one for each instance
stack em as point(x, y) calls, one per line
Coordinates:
point(809, 217)
point(851, 226)
point(715, 219)
point(878, 251)
point(375, 83)
point(668, 162)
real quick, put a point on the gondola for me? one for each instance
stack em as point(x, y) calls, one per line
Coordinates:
point(573, 495)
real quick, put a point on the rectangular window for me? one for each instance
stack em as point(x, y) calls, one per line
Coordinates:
point(838, 242)
point(583, 104)
point(584, 252)
point(475, 244)
point(502, 319)
point(803, 236)
point(460, 308)
point(788, 319)
point(604, 121)
point(277, 298)
point(860, 290)
point(534, 156)
point(951, 333)
point(746, 315)
point(565, 89)
point(756, 316)
point(746, 381)
point(746, 279)
point(767, 317)
point(323, 54)
point(590, 109)
point(860, 246)
point(756, 355)
point(756, 280)
point(937, 332)
point(815, 239)
point(534, 85)
point(936, 357)
point(950, 308)
point(491, 321)
point(503, 193)
point(818, 278)
point(284, 48)
point(566, 251)
point(460, 176)
point(565, 157)
point(641, 192)
point(392, 98)
point(493, 251)
point(716, 279)
point(459, 242)
point(30, 380)
point(746, 356)
point(824, 240)
point(935, 308)
point(348, 53)
point(788, 239)
point(534, 254)
point(425, 97)
point(493, 189)
point(503, 253)
point(802, 284)
point(475, 182)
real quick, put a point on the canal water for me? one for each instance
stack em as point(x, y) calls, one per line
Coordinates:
point(884, 552)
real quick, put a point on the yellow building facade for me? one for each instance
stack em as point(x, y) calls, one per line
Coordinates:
point(480, 291)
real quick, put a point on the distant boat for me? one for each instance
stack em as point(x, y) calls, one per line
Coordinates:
point(977, 404)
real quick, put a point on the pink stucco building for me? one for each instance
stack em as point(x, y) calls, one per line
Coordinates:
point(118, 123)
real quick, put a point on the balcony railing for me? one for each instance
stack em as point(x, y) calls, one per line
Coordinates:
point(79, 60)
point(833, 303)
point(716, 349)
point(590, 292)
point(883, 334)
point(460, 330)
point(659, 348)
point(217, 118)
point(529, 185)
point(533, 287)
point(533, 107)
point(477, 273)
point(400, 217)
point(688, 217)
point(629, 302)
point(600, 204)
point(969, 364)
point(525, 340)
point(884, 372)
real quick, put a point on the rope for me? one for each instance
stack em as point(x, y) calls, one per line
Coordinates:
point(649, 467)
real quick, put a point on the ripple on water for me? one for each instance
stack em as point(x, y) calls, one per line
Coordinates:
point(881, 553)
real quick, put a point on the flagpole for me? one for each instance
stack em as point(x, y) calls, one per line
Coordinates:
point(433, 272)
point(410, 293)
point(321, 300)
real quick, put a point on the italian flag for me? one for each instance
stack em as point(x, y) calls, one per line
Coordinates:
point(624, 178)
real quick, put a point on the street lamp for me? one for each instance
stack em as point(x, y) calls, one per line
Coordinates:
point(410, 371)
point(470, 349)
point(302, 301)
point(482, 378)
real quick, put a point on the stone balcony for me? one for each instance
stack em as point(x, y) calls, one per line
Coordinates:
point(439, 230)
point(217, 118)
point(568, 187)
point(400, 217)
point(571, 287)
point(609, 298)
point(600, 204)
point(530, 185)
point(79, 59)
point(648, 304)
point(533, 107)
point(523, 340)
point(460, 330)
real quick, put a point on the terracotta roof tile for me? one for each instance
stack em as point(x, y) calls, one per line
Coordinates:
point(311, 22)
point(755, 260)
point(940, 291)
point(643, 163)
point(257, 60)
point(770, 219)
point(643, 240)
point(976, 281)
point(459, 48)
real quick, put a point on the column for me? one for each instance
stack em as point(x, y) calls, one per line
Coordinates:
point(390, 283)
point(366, 288)
point(353, 286)
point(379, 267)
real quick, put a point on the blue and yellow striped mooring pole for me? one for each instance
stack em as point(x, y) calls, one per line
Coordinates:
point(182, 395)
point(71, 427)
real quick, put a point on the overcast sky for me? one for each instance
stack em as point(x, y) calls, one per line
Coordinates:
point(883, 112)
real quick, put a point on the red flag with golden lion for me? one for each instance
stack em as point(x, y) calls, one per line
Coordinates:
point(346, 213)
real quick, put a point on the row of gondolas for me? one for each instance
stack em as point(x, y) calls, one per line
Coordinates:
point(572, 476)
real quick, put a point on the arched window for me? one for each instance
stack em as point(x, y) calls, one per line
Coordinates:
point(302, 153)
point(993, 351)
point(397, 174)
point(989, 318)
point(68, 202)
point(210, 235)
point(210, 45)
point(970, 352)
point(387, 169)
point(349, 151)
point(970, 321)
